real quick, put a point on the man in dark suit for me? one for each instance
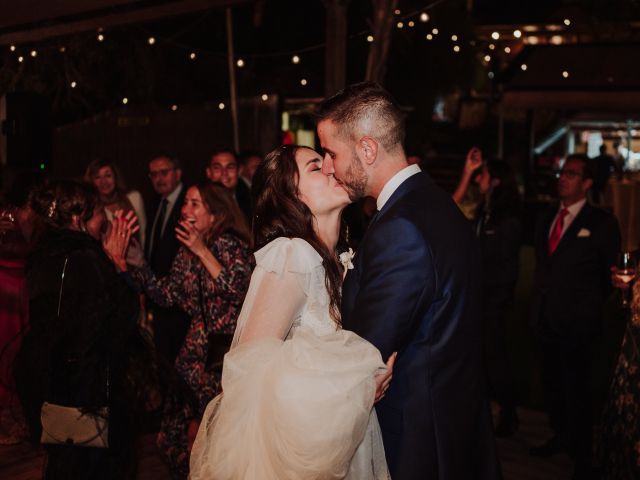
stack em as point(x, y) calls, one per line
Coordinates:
point(414, 290)
point(576, 245)
point(169, 324)
point(223, 168)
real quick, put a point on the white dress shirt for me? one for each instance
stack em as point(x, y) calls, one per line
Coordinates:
point(394, 182)
point(573, 210)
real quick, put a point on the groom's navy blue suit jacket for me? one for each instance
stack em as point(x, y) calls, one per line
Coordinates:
point(415, 290)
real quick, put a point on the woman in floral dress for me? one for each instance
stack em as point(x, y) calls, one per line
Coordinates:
point(208, 280)
point(619, 446)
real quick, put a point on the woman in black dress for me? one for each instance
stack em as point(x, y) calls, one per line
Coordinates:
point(84, 348)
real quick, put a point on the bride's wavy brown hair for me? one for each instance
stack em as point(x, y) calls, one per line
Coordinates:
point(279, 212)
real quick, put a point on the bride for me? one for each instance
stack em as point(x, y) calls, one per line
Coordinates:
point(298, 391)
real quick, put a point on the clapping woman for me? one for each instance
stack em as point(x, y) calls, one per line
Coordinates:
point(208, 280)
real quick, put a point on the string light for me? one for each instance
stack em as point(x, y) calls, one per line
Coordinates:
point(565, 74)
point(491, 75)
point(495, 35)
point(125, 100)
point(370, 38)
point(567, 22)
point(264, 97)
point(411, 23)
point(487, 58)
point(454, 38)
point(34, 53)
point(492, 47)
point(221, 106)
point(192, 55)
point(429, 36)
point(456, 48)
point(74, 84)
point(303, 82)
point(435, 31)
point(240, 63)
point(151, 40)
point(174, 108)
point(556, 39)
point(532, 40)
point(63, 49)
point(507, 50)
point(397, 11)
point(424, 17)
point(21, 59)
point(295, 59)
point(523, 67)
point(400, 25)
point(12, 48)
point(517, 33)
point(100, 37)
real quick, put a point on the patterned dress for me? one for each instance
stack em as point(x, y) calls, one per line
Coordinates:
point(620, 443)
point(213, 305)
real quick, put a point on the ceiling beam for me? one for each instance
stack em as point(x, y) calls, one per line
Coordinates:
point(52, 29)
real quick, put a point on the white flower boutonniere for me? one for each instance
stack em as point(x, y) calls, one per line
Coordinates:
point(346, 260)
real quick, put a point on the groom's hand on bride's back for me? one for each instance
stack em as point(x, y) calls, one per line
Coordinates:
point(384, 379)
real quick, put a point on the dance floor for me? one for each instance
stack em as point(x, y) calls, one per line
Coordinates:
point(24, 462)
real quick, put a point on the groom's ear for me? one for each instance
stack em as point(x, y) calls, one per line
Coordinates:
point(368, 149)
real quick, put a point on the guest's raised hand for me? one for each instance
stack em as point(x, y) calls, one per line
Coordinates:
point(384, 379)
point(116, 241)
point(473, 161)
point(190, 237)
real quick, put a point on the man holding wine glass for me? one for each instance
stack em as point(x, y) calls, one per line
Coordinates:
point(576, 244)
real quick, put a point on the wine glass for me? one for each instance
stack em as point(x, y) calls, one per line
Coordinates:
point(625, 272)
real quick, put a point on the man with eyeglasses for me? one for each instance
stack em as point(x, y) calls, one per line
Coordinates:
point(223, 168)
point(169, 324)
point(576, 244)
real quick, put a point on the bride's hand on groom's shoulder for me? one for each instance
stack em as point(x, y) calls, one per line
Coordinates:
point(384, 379)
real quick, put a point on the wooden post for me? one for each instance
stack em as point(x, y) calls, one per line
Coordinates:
point(381, 26)
point(232, 80)
point(335, 56)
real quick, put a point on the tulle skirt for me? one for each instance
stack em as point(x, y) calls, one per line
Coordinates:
point(292, 410)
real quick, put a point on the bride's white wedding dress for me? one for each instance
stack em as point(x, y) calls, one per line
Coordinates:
point(297, 392)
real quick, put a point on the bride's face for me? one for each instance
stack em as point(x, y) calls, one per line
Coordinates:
point(321, 193)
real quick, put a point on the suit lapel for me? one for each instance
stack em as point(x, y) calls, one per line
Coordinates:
point(571, 234)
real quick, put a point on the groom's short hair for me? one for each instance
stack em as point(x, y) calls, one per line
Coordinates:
point(365, 109)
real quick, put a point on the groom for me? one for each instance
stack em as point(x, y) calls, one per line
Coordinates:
point(414, 290)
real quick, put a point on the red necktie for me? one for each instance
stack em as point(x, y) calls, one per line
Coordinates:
point(556, 234)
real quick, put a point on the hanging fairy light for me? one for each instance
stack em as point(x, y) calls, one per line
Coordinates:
point(125, 100)
point(507, 50)
point(411, 23)
point(303, 82)
point(151, 40)
point(495, 35)
point(456, 48)
point(240, 63)
point(295, 59)
point(429, 36)
point(424, 17)
point(517, 33)
point(454, 38)
point(435, 31)
point(63, 49)
point(369, 38)
point(221, 106)
point(492, 46)
point(192, 55)
point(264, 97)
point(73, 84)
point(523, 67)
point(33, 53)
point(400, 25)
point(397, 11)
point(12, 48)
point(487, 58)
point(567, 22)
point(565, 74)
point(174, 108)
point(100, 37)
point(21, 59)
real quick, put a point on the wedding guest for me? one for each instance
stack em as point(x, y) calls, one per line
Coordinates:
point(169, 325)
point(223, 168)
point(208, 280)
point(106, 177)
point(248, 163)
point(496, 223)
point(83, 348)
point(575, 246)
point(619, 440)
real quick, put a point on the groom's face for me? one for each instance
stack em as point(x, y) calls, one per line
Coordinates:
point(341, 160)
